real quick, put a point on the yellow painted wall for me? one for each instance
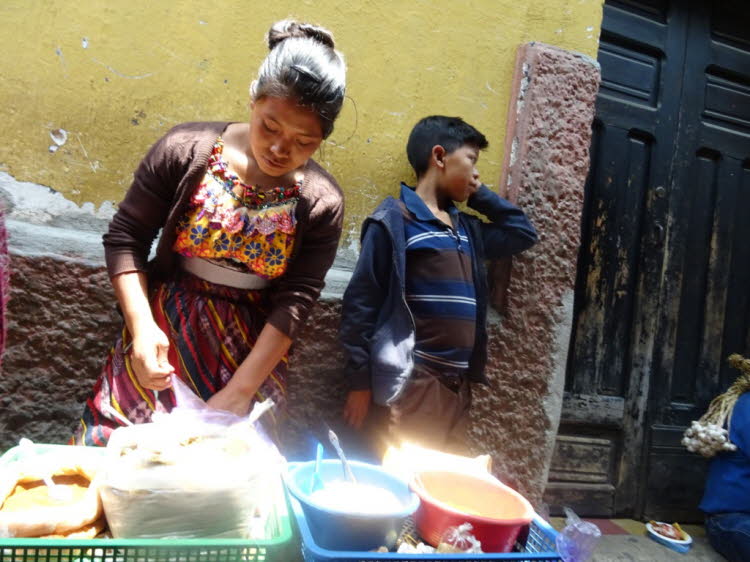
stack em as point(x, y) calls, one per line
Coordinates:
point(117, 74)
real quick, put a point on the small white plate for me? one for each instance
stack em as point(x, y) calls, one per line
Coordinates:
point(677, 545)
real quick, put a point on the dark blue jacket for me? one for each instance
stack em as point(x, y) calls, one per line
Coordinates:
point(728, 483)
point(377, 328)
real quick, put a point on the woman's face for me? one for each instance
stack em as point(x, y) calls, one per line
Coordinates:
point(283, 135)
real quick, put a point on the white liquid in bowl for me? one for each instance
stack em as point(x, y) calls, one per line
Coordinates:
point(356, 498)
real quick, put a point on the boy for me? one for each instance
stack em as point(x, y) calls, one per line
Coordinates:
point(414, 313)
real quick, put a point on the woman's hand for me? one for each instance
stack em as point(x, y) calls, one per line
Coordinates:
point(231, 400)
point(237, 396)
point(149, 347)
point(356, 407)
point(149, 359)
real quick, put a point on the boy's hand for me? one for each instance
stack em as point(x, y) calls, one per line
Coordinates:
point(356, 407)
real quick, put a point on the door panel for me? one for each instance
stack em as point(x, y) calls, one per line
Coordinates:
point(641, 52)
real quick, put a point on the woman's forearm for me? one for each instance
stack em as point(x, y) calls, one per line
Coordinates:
point(270, 348)
point(131, 290)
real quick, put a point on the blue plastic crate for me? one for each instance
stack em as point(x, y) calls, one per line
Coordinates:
point(539, 545)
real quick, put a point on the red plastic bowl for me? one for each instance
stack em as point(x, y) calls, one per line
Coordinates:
point(496, 512)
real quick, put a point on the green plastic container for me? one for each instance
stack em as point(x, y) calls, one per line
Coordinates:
point(275, 547)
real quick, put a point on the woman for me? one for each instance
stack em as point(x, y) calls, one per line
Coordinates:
point(250, 225)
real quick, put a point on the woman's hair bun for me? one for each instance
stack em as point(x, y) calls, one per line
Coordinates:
point(286, 29)
point(308, 69)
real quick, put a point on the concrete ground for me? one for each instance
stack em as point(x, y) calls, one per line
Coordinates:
point(625, 540)
point(630, 548)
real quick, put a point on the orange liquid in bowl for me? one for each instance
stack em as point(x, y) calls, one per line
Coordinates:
point(474, 496)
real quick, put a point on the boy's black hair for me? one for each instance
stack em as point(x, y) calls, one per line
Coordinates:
point(449, 132)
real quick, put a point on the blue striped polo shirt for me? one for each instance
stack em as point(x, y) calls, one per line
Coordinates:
point(439, 286)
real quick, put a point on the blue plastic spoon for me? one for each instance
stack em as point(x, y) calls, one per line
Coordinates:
point(316, 482)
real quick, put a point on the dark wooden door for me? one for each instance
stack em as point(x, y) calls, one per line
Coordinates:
point(703, 315)
point(663, 267)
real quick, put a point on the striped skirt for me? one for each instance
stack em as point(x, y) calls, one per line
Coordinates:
point(211, 329)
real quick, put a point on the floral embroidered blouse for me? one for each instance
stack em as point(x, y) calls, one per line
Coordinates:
point(255, 229)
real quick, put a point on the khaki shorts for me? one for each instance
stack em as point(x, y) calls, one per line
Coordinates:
point(432, 411)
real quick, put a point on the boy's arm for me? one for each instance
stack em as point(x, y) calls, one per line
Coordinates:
point(361, 305)
point(509, 231)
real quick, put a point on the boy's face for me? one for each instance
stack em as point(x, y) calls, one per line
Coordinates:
point(460, 178)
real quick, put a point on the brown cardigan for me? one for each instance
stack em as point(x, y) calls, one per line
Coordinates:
point(160, 194)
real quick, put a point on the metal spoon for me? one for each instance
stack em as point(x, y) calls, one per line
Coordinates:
point(333, 438)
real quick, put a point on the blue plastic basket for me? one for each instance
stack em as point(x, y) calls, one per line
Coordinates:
point(539, 545)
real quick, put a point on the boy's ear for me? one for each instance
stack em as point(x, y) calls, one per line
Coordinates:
point(438, 156)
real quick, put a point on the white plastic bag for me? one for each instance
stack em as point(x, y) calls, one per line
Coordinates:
point(196, 472)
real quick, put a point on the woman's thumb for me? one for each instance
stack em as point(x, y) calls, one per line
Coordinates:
point(162, 350)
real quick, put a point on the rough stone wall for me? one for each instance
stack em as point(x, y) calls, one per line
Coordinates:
point(316, 386)
point(61, 321)
point(546, 165)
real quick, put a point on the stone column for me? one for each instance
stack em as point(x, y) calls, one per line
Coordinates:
point(546, 163)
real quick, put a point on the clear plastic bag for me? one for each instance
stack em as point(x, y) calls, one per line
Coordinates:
point(419, 548)
point(459, 540)
point(196, 472)
point(577, 540)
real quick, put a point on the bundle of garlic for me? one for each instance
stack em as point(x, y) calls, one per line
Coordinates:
point(707, 439)
point(707, 435)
